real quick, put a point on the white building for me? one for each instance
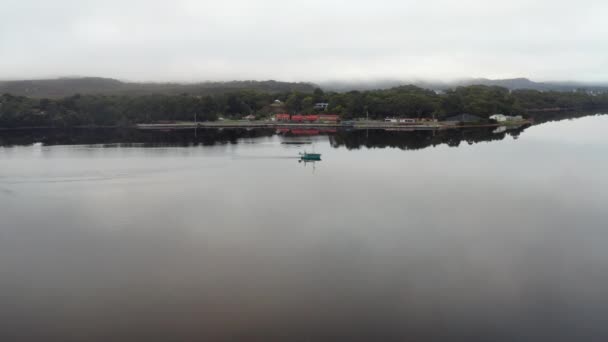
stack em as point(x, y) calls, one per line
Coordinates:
point(503, 118)
point(499, 117)
point(407, 121)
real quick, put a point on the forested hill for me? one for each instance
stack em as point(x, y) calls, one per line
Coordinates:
point(64, 87)
point(405, 101)
point(510, 83)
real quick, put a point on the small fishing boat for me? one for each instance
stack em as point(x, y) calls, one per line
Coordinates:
point(310, 156)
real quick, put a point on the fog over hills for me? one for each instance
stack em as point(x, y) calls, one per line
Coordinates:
point(62, 87)
point(511, 83)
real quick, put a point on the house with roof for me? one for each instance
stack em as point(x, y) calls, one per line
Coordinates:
point(321, 105)
point(504, 118)
point(499, 117)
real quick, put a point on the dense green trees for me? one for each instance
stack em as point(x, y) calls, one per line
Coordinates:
point(404, 101)
point(534, 100)
point(92, 110)
point(480, 100)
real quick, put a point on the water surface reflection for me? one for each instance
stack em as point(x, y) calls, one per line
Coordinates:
point(235, 241)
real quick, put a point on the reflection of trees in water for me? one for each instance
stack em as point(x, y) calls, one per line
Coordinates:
point(559, 116)
point(353, 139)
point(151, 138)
point(416, 140)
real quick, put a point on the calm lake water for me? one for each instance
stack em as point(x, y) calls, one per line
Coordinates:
point(473, 235)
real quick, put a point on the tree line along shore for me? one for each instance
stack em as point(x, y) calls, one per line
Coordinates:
point(400, 102)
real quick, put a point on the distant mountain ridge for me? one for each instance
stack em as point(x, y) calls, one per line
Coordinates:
point(62, 87)
point(524, 83)
point(511, 83)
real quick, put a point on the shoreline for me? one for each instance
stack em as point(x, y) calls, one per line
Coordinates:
point(356, 125)
point(279, 125)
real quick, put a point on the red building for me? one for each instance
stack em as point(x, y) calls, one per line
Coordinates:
point(282, 117)
point(311, 118)
point(329, 117)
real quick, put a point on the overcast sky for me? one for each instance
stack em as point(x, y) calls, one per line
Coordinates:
point(311, 40)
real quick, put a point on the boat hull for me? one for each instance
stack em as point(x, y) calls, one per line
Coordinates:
point(310, 156)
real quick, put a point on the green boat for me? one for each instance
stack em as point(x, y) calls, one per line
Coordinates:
point(310, 156)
